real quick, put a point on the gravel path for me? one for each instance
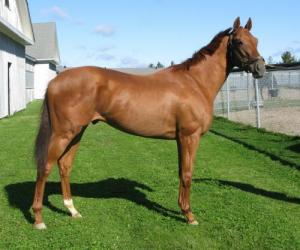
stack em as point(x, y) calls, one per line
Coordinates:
point(284, 120)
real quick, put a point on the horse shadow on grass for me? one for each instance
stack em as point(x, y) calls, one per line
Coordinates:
point(295, 148)
point(271, 155)
point(20, 195)
point(251, 189)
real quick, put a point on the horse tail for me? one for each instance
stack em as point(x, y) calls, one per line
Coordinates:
point(43, 137)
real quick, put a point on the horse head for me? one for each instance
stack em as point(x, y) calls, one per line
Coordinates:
point(243, 49)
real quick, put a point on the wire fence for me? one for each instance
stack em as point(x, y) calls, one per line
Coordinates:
point(272, 102)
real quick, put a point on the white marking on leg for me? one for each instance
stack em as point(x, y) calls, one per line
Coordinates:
point(194, 223)
point(40, 226)
point(72, 209)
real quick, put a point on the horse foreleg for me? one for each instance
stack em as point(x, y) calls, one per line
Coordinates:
point(187, 148)
point(65, 167)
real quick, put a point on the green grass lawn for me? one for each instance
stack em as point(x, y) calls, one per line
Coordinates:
point(245, 191)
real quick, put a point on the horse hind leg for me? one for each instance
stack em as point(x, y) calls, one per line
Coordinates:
point(65, 167)
point(57, 145)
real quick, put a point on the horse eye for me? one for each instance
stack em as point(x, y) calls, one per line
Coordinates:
point(238, 42)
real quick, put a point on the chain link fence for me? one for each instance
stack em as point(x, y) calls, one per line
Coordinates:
point(272, 102)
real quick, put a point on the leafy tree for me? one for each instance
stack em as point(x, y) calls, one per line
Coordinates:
point(159, 65)
point(287, 57)
point(172, 63)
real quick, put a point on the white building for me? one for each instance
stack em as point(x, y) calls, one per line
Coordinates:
point(42, 59)
point(15, 33)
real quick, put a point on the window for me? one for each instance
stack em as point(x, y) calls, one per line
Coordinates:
point(52, 66)
point(7, 3)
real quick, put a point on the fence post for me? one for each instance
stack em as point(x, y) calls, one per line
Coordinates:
point(248, 95)
point(258, 124)
point(272, 82)
point(228, 98)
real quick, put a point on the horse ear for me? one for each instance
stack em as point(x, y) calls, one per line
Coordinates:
point(248, 26)
point(237, 23)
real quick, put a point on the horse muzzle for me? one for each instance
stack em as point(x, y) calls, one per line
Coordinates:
point(258, 68)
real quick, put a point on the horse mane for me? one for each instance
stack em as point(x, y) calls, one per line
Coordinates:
point(209, 49)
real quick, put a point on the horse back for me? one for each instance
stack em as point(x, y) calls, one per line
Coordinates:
point(149, 105)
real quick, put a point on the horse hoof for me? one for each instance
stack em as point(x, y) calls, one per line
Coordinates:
point(77, 215)
point(40, 226)
point(194, 223)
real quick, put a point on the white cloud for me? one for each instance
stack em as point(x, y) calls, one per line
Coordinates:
point(59, 13)
point(131, 62)
point(104, 30)
point(56, 12)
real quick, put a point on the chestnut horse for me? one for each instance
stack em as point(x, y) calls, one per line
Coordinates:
point(174, 103)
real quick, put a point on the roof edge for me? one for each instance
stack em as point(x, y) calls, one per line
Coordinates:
point(29, 15)
point(30, 58)
point(47, 60)
point(7, 29)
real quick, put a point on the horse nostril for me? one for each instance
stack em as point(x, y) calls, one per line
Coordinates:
point(257, 67)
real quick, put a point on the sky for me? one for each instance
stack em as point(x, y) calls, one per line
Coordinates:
point(135, 33)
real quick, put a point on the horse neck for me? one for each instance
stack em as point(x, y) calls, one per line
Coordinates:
point(211, 73)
